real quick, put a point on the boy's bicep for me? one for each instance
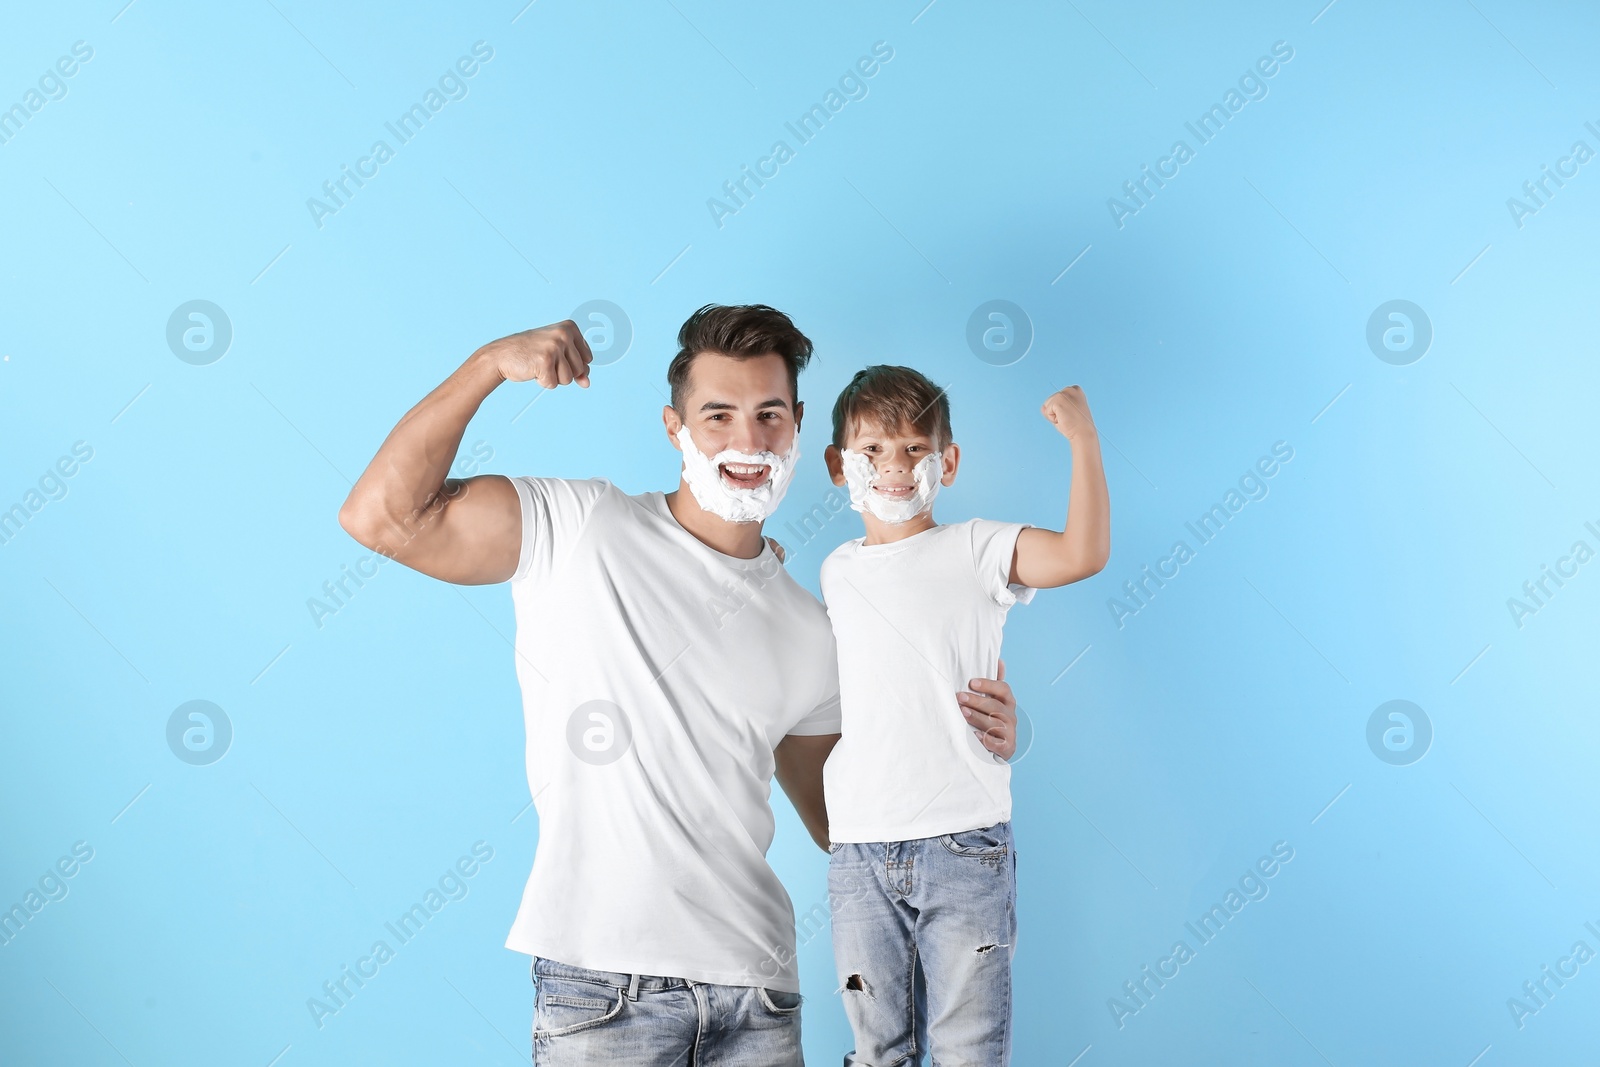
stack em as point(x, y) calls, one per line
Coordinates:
point(1032, 559)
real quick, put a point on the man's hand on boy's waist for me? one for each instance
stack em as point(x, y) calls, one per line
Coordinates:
point(992, 713)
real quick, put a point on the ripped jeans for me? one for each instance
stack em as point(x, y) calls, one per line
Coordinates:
point(923, 935)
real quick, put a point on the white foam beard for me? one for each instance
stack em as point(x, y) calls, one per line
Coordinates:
point(860, 475)
point(726, 502)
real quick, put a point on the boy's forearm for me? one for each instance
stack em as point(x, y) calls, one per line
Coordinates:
point(1046, 559)
point(1088, 533)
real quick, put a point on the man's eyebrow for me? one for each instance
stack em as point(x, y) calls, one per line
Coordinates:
point(723, 405)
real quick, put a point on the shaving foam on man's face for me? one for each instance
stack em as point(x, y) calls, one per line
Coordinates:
point(742, 414)
point(737, 486)
point(892, 495)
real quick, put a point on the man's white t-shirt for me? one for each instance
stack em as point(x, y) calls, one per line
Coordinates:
point(915, 620)
point(657, 676)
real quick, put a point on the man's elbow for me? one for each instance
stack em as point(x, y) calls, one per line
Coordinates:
point(357, 521)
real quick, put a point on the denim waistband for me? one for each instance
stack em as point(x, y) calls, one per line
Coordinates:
point(632, 983)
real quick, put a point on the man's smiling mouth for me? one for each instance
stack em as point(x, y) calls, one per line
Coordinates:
point(744, 475)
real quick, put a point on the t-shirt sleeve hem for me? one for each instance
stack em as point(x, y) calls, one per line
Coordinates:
point(1009, 593)
point(525, 545)
point(824, 719)
point(816, 729)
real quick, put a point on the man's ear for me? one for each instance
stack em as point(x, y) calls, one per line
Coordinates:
point(799, 410)
point(835, 461)
point(952, 460)
point(670, 420)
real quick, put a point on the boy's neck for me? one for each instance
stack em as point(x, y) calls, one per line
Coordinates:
point(883, 533)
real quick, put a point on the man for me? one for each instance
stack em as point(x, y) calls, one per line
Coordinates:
point(669, 667)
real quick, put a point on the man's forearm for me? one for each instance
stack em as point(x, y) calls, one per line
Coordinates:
point(408, 474)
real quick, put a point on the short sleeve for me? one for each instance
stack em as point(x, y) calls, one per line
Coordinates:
point(994, 545)
point(554, 513)
point(825, 717)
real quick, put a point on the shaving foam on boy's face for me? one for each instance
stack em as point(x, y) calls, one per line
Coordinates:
point(737, 486)
point(890, 498)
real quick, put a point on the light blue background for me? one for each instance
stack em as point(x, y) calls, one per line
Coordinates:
point(1228, 314)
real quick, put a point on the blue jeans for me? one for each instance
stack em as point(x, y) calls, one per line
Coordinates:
point(586, 1017)
point(923, 935)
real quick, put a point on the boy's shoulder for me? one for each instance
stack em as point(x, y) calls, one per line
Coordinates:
point(841, 554)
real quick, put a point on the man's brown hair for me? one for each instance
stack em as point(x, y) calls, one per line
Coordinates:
point(895, 399)
point(742, 331)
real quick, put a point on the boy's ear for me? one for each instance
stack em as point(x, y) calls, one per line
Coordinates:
point(799, 410)
point(835, 461)
point(670, 420)
point(952, 460)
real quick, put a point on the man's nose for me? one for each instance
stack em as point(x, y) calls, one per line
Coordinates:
point(746, 437)
point(778, 439)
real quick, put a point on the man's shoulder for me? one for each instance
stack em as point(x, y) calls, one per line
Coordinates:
point(595, 484)
point(583, 493)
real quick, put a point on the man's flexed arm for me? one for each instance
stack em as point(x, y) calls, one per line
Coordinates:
point(406, 506)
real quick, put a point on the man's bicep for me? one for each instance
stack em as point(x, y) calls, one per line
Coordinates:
point(797, 764)
point(804, 752)
point(471, 536)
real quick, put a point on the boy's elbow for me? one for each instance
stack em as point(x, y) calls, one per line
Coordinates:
point(1075, 568)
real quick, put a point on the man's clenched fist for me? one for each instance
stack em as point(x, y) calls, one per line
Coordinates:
point(550, 355)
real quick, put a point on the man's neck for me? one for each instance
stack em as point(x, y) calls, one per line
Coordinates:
point(740, 539)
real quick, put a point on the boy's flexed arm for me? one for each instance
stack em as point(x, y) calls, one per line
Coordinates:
point(1045, 558)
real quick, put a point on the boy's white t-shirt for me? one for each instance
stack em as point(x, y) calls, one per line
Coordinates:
point(915, 620)
point(657, 676)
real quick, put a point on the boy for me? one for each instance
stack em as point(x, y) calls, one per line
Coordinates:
point(921, 868)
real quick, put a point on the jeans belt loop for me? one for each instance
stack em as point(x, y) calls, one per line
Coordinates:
point(633, 987)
